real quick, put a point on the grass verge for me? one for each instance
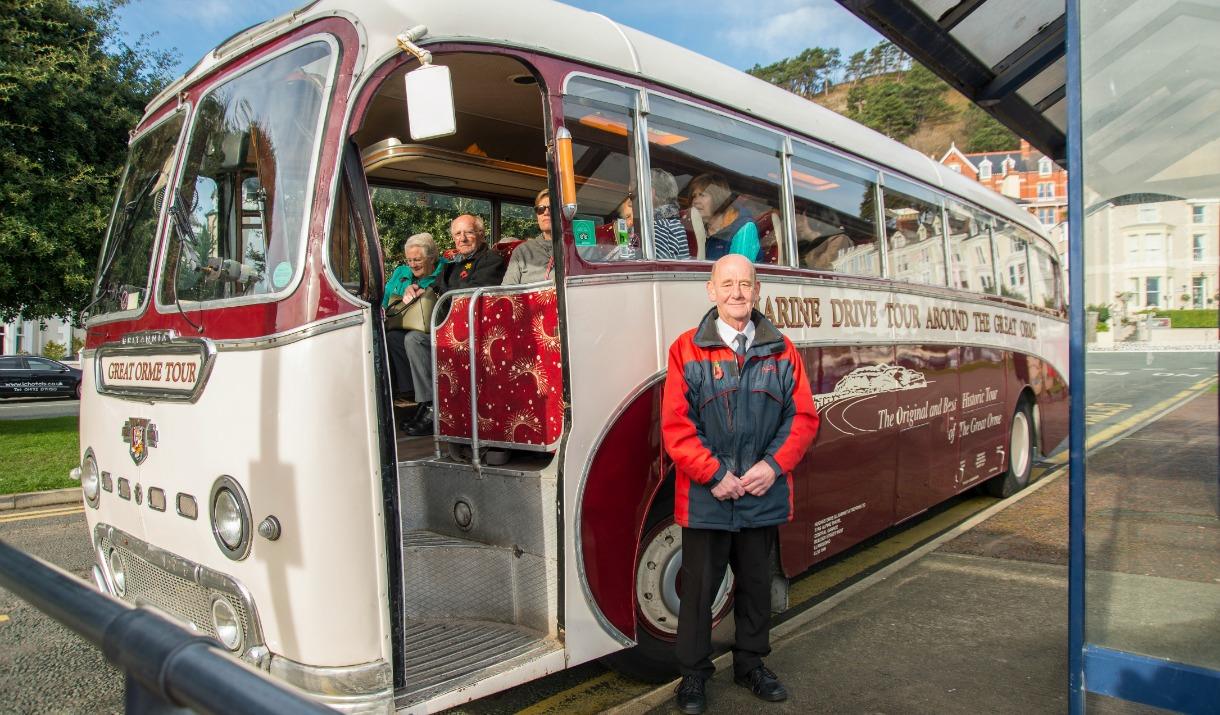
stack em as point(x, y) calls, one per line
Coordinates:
point(36, 454)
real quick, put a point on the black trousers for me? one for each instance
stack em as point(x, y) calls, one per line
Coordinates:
point(400, 364)
point(705, 552)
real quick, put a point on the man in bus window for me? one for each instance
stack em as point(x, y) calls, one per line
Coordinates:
point(475, 265)
point(534, 260)
point(737, 416)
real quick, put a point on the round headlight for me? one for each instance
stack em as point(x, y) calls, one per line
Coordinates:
point(227, 517)
point(226, 623)
point(230, 513)
point(118, 572)
point(90, 479)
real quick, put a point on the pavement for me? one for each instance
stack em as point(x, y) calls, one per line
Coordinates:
point(978, 623)
point(29, 500)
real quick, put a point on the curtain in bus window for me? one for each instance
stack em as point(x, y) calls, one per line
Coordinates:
point(1042, 270)
point(245, 188)
point(1010, 257)
point(970, 246)
point(835, 201)
point(913, 230)
point(602, 120)
point(725, 180)
point(127, 254)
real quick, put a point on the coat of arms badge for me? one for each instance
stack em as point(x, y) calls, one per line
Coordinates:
point(140, 435)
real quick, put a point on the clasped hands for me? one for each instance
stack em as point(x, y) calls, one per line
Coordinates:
point(757, 480)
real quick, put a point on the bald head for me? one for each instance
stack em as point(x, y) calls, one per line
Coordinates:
point(734, 289)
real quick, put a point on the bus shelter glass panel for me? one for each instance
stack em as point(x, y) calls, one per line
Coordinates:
point(727, 176)
point(602, 119)
point(1010, 256)
point(836, 213)
point(914, 233)
point(1151, 184)
point(242, 201)
point(970, 249)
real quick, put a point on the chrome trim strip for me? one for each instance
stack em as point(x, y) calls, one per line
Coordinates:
point(205, 347)
point(594, 608)
point(914, 289)
point(338, 684)
point(288, 337)
point(472, 328)
point(788, 208)
point(187, 570)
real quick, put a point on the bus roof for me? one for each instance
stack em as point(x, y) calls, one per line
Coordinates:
point(556, 29)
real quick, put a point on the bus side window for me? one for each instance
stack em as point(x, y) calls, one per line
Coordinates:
point(970, 245)
point(602, 119)
point(914, 232)
point(1043, 270)
point(726, 174)
point(344, 252)
point(836, 228)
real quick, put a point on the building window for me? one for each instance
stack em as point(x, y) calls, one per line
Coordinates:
point(1148, 214)
point(1198, 290)
point(985, 170)
point(1196, 247)
point(1154, 245)
point(1046, 215)
point(1044, 166)
point(1152, 292)
point(1008, 165)
point(956, 167)
point(1197, 214)
point(1134, 257)
point(1046, 189)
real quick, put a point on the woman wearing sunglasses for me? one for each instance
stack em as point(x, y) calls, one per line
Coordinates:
point(534, 260)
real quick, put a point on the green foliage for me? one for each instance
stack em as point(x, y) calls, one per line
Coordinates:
point(71, 90)
point(37, 454)
point(53, 350)
point(897, 106)
point(1189, 318)
point(984, 133)
point(1103, 312)
point(77, 345)
point(808, 73)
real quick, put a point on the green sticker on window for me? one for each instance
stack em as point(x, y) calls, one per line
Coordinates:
point(281, 275)
point(585, 232)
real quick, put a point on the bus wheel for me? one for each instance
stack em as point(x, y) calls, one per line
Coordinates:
point(657, 585)
point(1020, 455)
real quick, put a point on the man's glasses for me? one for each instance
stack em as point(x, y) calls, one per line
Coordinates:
point(542, 209)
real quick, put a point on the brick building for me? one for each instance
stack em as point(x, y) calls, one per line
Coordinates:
point(1024, 175)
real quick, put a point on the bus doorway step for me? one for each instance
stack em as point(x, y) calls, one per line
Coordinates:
point(444, 656)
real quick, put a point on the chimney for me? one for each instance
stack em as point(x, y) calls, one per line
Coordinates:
point(1025, 150)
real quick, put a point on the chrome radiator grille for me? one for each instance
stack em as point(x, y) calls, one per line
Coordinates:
point(175, 586)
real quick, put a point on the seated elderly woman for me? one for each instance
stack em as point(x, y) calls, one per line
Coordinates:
point(728, 229)
point(408, 281)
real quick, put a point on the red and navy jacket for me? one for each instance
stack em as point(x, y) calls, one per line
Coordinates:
point(719, 416)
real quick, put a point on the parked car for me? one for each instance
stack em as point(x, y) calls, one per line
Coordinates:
point(31, 376)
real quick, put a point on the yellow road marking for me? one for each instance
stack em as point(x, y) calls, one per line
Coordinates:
point(595, 695)
point(25, 516)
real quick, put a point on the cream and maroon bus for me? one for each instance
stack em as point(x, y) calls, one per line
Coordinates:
point(240, 460)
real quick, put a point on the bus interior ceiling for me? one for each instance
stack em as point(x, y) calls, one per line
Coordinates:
point(480, 587)
point(499, 150)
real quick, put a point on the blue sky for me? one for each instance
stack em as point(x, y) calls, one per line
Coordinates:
point(740, 33)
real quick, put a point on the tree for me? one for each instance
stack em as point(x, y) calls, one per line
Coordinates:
point(984, 133)
point(810, 72)
point(896, 106)
point(70, 90)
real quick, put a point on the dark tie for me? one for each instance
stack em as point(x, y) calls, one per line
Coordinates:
point(741, 344)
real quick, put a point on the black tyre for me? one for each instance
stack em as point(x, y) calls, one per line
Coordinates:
point(656, 590)
point(1020, 455)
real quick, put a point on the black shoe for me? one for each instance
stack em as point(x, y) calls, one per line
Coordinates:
point(422, 424)
point(764, 684)
point(691, 698)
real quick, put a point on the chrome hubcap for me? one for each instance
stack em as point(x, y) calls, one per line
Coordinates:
point(1018, 444)
point(656, 581)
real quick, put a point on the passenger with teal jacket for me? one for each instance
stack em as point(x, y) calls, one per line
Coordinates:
point(728, 230)
point(418, 274)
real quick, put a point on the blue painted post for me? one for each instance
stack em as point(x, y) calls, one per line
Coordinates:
point(1076, 438)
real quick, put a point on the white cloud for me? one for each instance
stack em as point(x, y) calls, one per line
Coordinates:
point(775, 29)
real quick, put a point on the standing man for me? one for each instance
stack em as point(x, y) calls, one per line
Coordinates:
point(736, 418)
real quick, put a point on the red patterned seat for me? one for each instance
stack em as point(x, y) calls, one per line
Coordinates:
point(517, 370)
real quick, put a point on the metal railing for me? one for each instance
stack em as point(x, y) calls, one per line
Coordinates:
point(167, 667)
